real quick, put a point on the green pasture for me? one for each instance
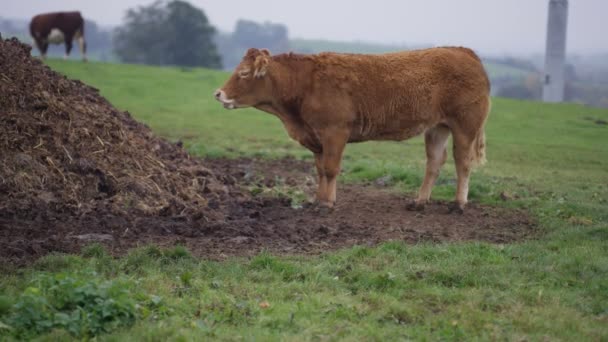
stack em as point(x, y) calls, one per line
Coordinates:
point(551, 159)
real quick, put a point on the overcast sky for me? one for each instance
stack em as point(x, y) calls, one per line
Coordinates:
point(488, 26)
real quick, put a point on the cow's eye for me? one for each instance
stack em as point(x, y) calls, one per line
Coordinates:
point(244, 74)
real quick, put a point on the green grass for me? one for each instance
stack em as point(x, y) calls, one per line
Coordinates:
point(552, 160)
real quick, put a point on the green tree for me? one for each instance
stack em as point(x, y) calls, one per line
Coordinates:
point(167, 33)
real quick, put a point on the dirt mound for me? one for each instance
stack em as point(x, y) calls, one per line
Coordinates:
point(66, 152)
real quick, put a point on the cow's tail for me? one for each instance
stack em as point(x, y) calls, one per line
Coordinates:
point(479, 145)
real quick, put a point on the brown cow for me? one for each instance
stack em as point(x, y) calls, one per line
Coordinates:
point(328, 100)
point(57, 28)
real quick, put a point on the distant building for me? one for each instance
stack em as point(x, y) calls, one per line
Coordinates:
point(555, 55)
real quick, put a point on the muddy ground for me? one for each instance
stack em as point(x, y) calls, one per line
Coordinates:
point(365, 215)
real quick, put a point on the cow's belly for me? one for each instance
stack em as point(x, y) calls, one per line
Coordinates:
point(387, 133)
point(55, 37)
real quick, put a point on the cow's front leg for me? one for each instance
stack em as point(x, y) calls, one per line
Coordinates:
point(43, 49)
point(333, 141)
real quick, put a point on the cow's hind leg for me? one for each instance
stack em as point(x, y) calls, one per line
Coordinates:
point(82, 44)
point(321, 179)
point(469, 147)
point(435, 141)
point(463, 158)
point(68, 45)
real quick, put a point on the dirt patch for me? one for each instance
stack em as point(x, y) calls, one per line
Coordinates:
point(365, 215)
point(74, 170)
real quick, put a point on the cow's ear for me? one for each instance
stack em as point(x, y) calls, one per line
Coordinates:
point(252, 52)
point(260, 65)
point(265, 52)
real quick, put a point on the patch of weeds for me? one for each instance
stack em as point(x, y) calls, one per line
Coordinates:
point(296, 196)
point(80, 304)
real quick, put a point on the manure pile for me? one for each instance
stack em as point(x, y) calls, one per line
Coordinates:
point(67, 156)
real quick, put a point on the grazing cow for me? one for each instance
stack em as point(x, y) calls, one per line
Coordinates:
point(57, 28)
point(328, 100)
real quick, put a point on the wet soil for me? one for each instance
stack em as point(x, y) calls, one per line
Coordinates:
point(365, 215)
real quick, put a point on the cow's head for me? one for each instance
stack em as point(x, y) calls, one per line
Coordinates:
point(248, 86)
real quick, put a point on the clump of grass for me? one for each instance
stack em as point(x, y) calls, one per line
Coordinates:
point(79, 303)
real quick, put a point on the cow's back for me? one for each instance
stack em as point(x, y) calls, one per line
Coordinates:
point(449, 72)
point(396, 95)
point(42, 24)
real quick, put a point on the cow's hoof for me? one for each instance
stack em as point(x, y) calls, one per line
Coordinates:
point(310, 205)
point(456, 208)
point(415, 206)
point(322, 209)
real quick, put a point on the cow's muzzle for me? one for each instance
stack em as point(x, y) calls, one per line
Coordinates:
point(220, 95)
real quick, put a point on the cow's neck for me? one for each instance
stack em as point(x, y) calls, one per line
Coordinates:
point(292, 83)
point(291, 80)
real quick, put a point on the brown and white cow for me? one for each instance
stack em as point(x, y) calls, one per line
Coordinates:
point(57, 28)
point(328, 100)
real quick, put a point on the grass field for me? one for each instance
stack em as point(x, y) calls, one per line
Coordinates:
point(550, 159)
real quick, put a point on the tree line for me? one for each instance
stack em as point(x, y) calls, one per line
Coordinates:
point(177, 33)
